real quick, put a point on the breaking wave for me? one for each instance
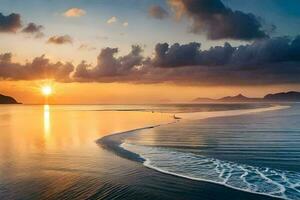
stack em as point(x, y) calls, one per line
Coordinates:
point(267, 181)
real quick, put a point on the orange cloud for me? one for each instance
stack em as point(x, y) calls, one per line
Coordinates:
point(264, 62)
point(74, 12)
point(65, 39)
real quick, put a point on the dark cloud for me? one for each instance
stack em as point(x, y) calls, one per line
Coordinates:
point(275, 50)
point(217, 21)
point(158, 12)
point(65, 39)
point(34, 29)
point(39, 68)
point(266, 61)
point(109, 66)
point(176, 55)
point(190, 54)
point(10, 23)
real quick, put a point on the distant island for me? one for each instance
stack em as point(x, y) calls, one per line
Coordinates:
point(7, 100)
point(291, 96)
point(288, 96)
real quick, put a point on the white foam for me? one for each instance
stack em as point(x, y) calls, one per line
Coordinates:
point(237, 176)
point(251, 179)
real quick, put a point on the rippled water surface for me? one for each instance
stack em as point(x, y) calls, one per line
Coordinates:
point(49, 152)
point(258, 153)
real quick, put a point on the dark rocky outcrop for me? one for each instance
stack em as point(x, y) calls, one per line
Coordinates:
point(284, 96)
point(7, 100)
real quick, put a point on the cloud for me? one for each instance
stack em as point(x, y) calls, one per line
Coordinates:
point(263, 62)
point(65, 39)
point(86, 47)
point(158, 12)
point(39, 68)
point(112, 20)
point(10, 23)
point(217, 21)
point(109, 66)
point(35, 29)
point(74, 12)
point(176, 55)
point(256, 54)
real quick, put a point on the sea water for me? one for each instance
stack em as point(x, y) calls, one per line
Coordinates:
point(258, 153)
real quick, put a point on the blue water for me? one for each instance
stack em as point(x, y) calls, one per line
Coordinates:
point(257, 153)
point(49, 152)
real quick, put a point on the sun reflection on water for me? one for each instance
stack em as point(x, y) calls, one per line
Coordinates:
point(47, 120)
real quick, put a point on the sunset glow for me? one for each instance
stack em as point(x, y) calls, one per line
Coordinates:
point(128, 52)
point(46, 90)
point(105, 99)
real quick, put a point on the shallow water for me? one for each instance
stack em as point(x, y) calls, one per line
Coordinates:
point(51, 153)
point(258, 153)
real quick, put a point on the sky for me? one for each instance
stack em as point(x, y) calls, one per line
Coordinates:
point(142, 51)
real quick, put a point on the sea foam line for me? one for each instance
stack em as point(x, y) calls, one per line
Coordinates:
point(208, 171)
point(115, 142)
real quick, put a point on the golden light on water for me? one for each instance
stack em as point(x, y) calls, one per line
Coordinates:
point(46, 120)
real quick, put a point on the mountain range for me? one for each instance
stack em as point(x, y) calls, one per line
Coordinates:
point(291, 96)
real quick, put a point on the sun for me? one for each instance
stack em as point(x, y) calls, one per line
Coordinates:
point(46, 90)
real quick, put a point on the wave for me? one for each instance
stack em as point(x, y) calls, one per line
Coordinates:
point(265, 181)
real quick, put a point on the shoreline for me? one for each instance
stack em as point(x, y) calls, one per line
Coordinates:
point(227, 113)
point(115, 142)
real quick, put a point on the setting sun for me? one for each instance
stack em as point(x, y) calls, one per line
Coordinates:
point(150, 99)
point(47, 90)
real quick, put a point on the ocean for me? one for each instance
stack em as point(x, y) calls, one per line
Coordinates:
point(90, 152)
